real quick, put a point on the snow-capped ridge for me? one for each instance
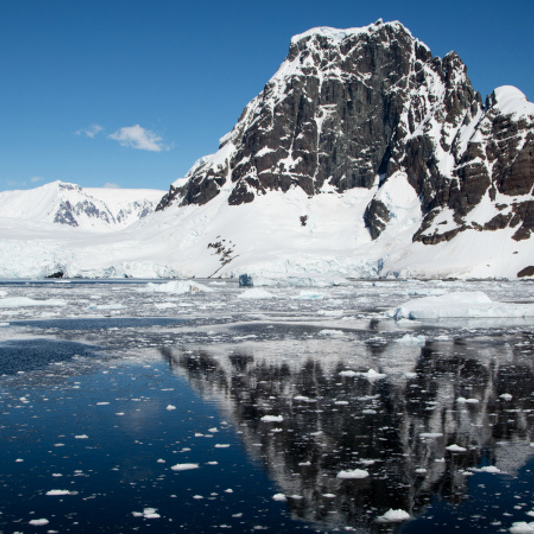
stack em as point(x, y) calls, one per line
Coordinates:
point(512, 101)
point(337, 34)
point(95, 209)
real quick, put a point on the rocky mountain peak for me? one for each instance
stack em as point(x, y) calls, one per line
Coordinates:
point(353, 108)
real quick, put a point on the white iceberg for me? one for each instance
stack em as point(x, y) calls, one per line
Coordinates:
point(353, 474)
point(394, 516)
point(460, 304)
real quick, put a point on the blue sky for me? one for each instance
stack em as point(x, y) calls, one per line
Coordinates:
point(132, 92)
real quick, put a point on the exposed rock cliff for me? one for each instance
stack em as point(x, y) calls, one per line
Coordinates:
point(351, 108)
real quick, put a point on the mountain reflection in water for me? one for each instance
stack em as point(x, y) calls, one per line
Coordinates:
point(419, 422)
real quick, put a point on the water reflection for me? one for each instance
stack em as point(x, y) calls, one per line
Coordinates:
point(417, 419)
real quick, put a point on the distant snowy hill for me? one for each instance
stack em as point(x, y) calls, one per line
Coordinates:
point(364, 156)
point(89, 209)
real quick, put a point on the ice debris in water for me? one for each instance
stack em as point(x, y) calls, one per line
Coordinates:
point(147, 513)
point(330, 332)
point(455, 448)
point(486, 469)
point(459, 304)
point(407, 339)
point(59, 492)
point(372, 375)
point(184, 467)
point(178, 287)
point(256, 293)
point(353, 474)
point(272, 418)
point(39, 522)
point(21, 302)
point(279, 497)
point(463, 400)
point(394, 516)
point(522, 527)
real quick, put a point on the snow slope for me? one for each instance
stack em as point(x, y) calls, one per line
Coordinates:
point(266, 239)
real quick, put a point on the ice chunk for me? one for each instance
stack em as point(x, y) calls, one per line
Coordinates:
point(372, 375)
point(256, 293)
point(394, 516)
point(176, 287)
point(272, 418)
point(184, 467)
point(353, 474)
point(22, 302)
point(407, 339)
point(455, 448)
point(349, 373)
point(522, 527)
point(279, 497)
point(460, 304)
point(330, 332)
point(59, 492)
point(486, 469)
point(39, 522)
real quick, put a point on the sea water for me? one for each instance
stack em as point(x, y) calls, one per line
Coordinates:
point(298, 409)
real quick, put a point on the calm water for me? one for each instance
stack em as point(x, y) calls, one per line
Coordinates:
point(125, 410)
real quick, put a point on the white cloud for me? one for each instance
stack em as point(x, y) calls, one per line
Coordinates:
point(110, 185)
point(36, 179)
point(90, 132)
point(137, 137)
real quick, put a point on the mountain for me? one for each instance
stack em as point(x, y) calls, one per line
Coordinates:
point(89, 209)
point(371, 113)
point(364, 156)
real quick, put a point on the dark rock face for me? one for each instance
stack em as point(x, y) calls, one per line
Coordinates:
point(350, 109)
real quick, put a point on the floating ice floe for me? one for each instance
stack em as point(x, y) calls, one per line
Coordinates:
point(310, 295)
point(272, 418)
point(178, 287)
point(279, 497)
point(372, 375)
point(330, 333)
point(394, 516)
point(39, 522)
point(184, 467)
point(461, 304)
point(59, 492)
point(455, 448)
point(255, 293)
point(353, 474)
point(463, 400)
point(430, 435)
point(349, 373)
point(22, 302)
point(522, 527)
point(147, 513)
point(407, 339)
point(486, 469)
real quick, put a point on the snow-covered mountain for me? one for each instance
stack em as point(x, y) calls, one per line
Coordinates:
point(364, 156)
point(99, 209)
